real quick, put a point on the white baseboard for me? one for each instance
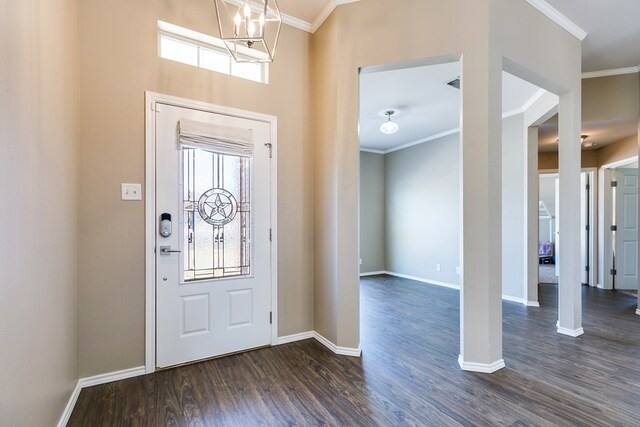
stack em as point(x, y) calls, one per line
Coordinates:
point(532, 304)
point(514, 299)
point(295, 337)
point(97, 380)
point(423, 280)
point(571, 332)
point(64, 419)
point(372, 273)
point(344, 351)
point(638, 312)
point(485, 368)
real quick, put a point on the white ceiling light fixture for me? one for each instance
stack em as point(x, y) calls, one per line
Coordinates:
point(389, 127)
point(249, 28)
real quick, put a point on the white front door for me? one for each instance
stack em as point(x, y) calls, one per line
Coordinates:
point(213, 272)
point(627, 229)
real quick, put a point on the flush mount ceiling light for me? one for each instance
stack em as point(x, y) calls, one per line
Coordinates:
point(389, 126)
point(249, 28)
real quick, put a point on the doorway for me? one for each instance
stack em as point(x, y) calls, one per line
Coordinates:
point(210, 242)
point(549, 234)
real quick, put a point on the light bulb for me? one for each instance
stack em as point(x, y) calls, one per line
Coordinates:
point(389, 127)
point(261, 23)
point(237, 20)
point(252, 28)
point(247, 10)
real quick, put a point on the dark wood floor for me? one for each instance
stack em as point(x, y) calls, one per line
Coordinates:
point(408, 374)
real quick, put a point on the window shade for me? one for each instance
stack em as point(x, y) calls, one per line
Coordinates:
point(218, 138)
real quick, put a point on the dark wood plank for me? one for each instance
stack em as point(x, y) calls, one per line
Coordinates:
point(408, 374)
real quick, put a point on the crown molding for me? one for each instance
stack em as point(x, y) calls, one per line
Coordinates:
point(372, 150)
point(557, 17)
point(292, 21)
point(613, 72)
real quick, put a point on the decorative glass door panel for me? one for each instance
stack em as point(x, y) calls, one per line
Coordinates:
point(217, 215)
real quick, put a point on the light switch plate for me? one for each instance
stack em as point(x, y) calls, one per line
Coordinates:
point(131, 191)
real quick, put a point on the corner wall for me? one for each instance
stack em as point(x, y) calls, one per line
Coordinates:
point(39, 180)
point(372, 212)
point(118, 63)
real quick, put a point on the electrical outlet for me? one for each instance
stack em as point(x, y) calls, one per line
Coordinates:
point(131, 191)
point(360, 261)
point(437, 267)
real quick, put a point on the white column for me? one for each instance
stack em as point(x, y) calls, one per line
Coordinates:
point(532, 221)
point(481, 205)
point(569, 288)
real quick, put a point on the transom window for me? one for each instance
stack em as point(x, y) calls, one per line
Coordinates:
point(200, 50)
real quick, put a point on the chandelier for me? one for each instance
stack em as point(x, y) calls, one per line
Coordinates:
point(249, 28)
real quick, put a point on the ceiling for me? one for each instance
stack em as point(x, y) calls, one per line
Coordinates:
point(427, 106)
point(613, 31)
point(612, 27)
point(599, 132)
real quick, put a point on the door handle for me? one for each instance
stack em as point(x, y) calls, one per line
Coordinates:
point(166, 250)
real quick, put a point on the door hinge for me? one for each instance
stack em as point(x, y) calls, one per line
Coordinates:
point(586, 268)
point(270, 235)
point(588, 187)
point(268, 144)
point(614, 183)
point(613, 272)
point(614, 228)
point(271, 317)
point(587, 227)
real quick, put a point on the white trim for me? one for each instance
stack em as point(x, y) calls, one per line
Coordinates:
point(150, 298)
point(68, 410)
point(112, 376)
point(420, 279)
point(638, 311)
point(557, 17)
point(97, 380)
point(532, 304)
point(619, 163)
point(295, 337)
point(300, 24)
point(485, 368)
point(326, 12)
point(423, 140)
point(612, 72)
point(371, 150)
point(514, 299)
point(372, 273)
point(344, 351)
point(571, 332)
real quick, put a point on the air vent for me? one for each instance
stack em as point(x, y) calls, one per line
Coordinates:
point(455, 83)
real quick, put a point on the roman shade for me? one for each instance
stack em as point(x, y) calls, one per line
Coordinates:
point(221, 139)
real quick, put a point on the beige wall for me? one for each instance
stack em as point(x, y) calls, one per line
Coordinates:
point(119, 62)
point(611, 98)
point(38, 176)
point(372, 212)
point(483, 32)
point(619, 150)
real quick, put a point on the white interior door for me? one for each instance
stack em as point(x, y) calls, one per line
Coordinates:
point(213, 272)
point(627, 229)
point(556, 249)
point(584, 209)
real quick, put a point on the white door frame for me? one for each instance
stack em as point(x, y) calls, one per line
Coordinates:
point(594, 258)
point(151, 99)
point(604, 202)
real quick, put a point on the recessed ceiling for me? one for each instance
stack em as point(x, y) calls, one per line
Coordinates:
point(613, 31)
point(426, 105)
point(599, 132)
point(612, 27)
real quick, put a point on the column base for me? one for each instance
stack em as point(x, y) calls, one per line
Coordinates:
point(485, 368)
point(571, 332)
point(533, 304)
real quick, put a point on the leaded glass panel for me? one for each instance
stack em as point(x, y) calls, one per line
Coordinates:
point(217, 215)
